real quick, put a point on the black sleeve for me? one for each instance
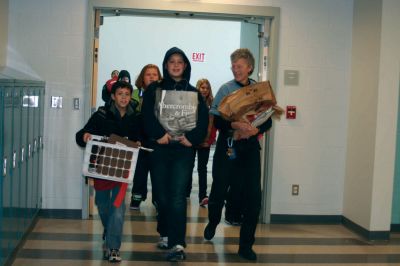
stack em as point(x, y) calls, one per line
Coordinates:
point(90, 127)
point(152, 127)
point(265, 126)
point(222, 124)
point(105, 95)
point(199, 133)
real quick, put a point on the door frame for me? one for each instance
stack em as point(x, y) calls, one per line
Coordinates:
point(200, 10)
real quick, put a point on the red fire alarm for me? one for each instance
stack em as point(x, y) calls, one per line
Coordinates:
point(290, 112)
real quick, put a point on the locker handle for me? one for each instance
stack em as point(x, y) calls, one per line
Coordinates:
point(40, 142)
point(29, 150)
point(4, 166)
point(34, 145)
point(22, 154)
point(14, 159)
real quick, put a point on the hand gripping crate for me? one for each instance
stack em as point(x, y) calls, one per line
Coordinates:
point(116, 162)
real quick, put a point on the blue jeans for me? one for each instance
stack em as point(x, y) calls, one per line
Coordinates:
point(112, 218)
point(170, 169)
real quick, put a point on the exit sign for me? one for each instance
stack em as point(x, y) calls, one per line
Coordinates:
point(198, 57)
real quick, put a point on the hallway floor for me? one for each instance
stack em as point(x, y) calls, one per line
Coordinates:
point(78, 242)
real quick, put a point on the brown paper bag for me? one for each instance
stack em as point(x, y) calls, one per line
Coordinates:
point(244, 103)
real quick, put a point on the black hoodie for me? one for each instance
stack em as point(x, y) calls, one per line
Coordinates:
point(152, 126)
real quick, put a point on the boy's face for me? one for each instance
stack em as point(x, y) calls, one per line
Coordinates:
point(175, 66)
point(121, 97)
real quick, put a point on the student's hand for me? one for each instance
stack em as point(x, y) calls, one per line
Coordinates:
point(245, 134)
point(87, 137)
point(165, 139)
point(184, 141)
point(243, 126)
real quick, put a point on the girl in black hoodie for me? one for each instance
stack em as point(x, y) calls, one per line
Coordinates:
point(173, 126)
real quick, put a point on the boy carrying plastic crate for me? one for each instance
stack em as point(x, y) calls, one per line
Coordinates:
point(121, 119)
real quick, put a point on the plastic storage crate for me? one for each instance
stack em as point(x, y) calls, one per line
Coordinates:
point(108, 161)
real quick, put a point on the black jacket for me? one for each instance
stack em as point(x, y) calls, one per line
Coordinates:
point(107, 120)
point(153, 128)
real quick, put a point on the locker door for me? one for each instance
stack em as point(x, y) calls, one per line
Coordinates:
point(34, 107)
point(30, 173)
point(16, 211)
point(1, 167)
point(6, 222)
point(40, 143)
point(26, 184)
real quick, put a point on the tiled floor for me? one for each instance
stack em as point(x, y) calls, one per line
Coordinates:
point(78, 242)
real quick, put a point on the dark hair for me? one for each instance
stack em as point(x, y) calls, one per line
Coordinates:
point(123, 74)
point(114, 72)
point(121, 84)
point(139, 83)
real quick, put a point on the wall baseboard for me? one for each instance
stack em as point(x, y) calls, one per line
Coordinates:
point(60, 214)
point(334, 219)
point(305, 219)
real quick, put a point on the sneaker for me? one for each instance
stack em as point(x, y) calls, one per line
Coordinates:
point(209, 231)
point(247, 253)
point(114, 256)
point(163, 242)
point(177, 253)
point(135, 204)
point(204, 202)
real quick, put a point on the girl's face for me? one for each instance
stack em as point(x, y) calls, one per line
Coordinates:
point(175, 66)
point(121, 97)
point(240, 70)
point(204, 90)
point(150, 75)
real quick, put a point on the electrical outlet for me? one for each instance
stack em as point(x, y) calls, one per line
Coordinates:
point(295, 190)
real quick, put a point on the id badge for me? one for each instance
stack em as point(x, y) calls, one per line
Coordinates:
point(230, 152)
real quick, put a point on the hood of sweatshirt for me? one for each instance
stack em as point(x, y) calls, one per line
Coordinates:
point(124, 74)
point(186, 72)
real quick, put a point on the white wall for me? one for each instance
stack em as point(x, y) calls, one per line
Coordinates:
point(310, 151)
point(48, 38)
point(372, 138)
point(132, 42)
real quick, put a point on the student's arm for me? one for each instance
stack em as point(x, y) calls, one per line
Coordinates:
point(90, 127)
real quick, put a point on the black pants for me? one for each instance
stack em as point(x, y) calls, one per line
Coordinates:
point(170, 169)
point(139, 187)
point(202, 161)
point(245, 170)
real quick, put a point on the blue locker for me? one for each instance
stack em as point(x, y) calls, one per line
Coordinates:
point(21, 151)
point(22, 157)
point(14, 170)
point(40, 142)
point(6, 144)
point(35, 111)
point(29, 159)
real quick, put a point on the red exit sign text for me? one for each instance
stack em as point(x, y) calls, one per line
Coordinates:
point(198, 57)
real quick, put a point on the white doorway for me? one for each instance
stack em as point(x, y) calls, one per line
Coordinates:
point(265, 19)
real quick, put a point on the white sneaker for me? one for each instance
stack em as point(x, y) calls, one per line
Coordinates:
point(163, 242)
point(114, 256)
point(177, 253)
